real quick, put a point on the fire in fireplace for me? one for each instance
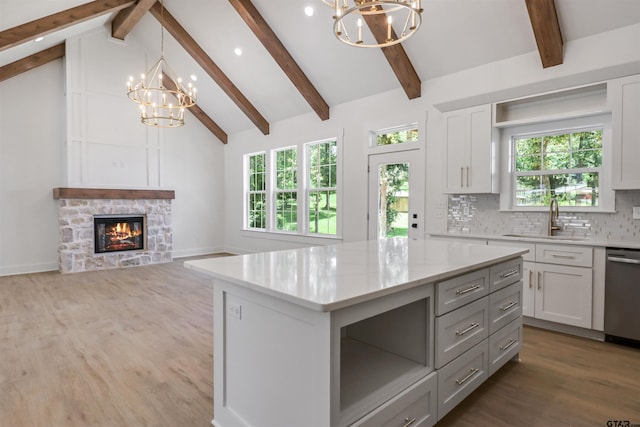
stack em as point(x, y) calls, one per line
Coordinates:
point(118, 233)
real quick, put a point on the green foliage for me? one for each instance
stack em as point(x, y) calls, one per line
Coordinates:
point(393, 178)
point(397, 137)
point(564, 165)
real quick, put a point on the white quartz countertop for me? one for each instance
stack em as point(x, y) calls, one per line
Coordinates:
point(327, 278)
point(564, 240)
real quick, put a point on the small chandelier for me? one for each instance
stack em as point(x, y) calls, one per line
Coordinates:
point(161, 96)
point(381, 15)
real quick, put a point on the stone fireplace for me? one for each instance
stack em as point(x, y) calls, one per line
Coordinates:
point(102, 228)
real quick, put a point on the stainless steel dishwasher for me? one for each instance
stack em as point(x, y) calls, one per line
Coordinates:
point(622, 297)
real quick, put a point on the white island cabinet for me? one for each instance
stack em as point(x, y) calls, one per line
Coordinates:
point(336, 335)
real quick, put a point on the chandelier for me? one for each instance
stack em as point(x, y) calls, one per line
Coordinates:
point(383, 17)
point(161, 96)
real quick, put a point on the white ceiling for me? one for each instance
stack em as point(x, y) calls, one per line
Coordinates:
point(455, 35)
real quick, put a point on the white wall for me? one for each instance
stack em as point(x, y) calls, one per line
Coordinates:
point(92, 137)
point(587, 60)
point(32, 134)
point(355, 120)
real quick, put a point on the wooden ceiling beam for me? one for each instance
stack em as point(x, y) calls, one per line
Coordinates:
point(281, 55)
point(201, 116)
point(200, 56)
point(396, 56)
point(546, 29)
point(57, 21)
point(32, 61)
point(127, 18)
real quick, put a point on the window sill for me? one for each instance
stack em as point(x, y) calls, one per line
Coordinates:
point(291, 237)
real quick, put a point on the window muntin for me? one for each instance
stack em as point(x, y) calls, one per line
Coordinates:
point(566, 165)
point(256, 191)
point(321, 200)
point(286, 185)
point(394, 136)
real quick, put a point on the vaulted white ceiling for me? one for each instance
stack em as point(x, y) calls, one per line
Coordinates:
point(455, 35)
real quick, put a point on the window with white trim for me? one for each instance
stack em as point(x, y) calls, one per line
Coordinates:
point(293, 189)
point(322, 158)
point(256, 194)
point(568, 159)
point(286, 190)
point(565, 165)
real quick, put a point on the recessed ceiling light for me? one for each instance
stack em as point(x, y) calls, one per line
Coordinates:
point(308, 11)
point(237, 51)
point(194, 77)
point(39, 39)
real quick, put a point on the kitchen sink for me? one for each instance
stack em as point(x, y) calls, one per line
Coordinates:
point(538, 236)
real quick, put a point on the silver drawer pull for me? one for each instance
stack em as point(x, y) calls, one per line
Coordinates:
point(563, 256)
point(464, 291)
point(508, 306)
point(508, 345)
point(408, 421)
point(469, 375)
point(470, 328)
point(509, 273)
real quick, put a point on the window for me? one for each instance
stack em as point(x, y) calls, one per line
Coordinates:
point(565, 164)
point(279, 200)
point(396, 135)
point(286, 193)
point(256, 191)
point(321, 193)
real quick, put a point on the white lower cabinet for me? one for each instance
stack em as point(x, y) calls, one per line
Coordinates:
point(417, 406)
point(473, 340)
point(558, 283)
point(460, 377)
point(558, 293)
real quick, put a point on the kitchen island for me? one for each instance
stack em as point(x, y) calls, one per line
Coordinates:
point(364, 333)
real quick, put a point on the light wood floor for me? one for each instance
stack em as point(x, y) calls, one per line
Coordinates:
point(133, 347)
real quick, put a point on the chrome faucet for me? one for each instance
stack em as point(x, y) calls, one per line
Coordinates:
point(553, 214)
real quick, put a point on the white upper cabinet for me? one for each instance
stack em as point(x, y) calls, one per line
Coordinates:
point(470, 151)
point(625, 101)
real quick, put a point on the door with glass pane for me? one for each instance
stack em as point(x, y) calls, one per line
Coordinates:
point(396, 189)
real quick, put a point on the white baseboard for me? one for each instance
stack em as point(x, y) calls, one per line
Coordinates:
point(197, 252)
point(28, 268)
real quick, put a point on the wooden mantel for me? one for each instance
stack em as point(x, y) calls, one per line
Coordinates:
point(106, 193)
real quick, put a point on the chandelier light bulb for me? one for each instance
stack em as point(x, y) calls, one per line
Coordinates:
point(349, 16)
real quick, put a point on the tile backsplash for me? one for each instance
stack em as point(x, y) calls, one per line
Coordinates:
point(480, 214)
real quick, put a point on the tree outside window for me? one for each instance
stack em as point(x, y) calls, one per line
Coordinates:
point(564, 165)
point(321, 195)
point(256, 194)
point(286, 193)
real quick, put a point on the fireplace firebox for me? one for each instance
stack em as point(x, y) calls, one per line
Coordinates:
point(118, 233)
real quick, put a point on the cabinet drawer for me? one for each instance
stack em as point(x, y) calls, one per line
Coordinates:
point(418, 404)
point(459, 378)
point(578, 256)
point(505, 344)
point(461, 290)
point(458, 331)
point(504, 306)
point(504, 274)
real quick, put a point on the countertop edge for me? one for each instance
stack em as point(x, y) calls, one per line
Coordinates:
point(357, 299)
point(542, 239)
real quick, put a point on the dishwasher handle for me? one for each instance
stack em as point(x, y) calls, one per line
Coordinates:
point(623, 260)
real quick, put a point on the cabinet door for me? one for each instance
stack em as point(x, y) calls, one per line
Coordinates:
point(564, 294)
point(470, 154)
point(454, 123)
point(625, 95)
point(479, 178)
point(529, 290)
